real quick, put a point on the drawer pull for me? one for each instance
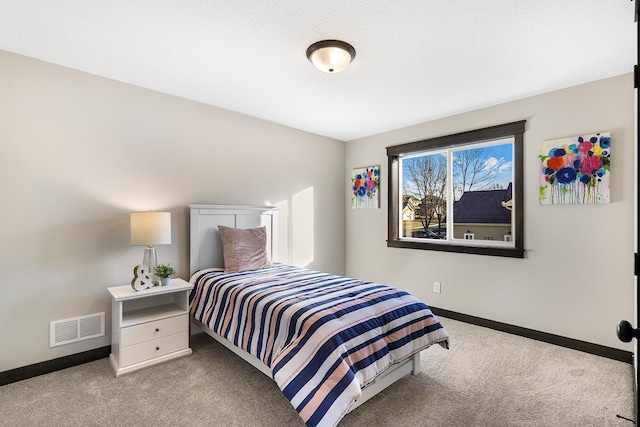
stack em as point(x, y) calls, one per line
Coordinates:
point(157, 348)
point(157, 330)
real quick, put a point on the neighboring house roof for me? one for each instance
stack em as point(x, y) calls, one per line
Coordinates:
point(483, 207)
point(410, 202)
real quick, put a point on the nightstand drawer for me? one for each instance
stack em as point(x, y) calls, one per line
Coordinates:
point(152, 330)
point(154, 348)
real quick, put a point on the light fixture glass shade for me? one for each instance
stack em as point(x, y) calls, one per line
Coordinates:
point(331, 56)
point(150, 228)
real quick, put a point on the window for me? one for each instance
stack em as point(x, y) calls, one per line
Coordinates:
point(459, 193)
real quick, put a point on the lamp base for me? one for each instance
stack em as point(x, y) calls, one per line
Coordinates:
point(150, 259)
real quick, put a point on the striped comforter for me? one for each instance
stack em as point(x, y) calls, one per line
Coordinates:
point(324, 337)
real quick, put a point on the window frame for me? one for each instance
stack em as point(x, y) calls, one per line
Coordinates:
point(394, 152)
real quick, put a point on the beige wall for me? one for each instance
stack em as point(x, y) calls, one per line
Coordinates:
point(78, 153)
point(577, 278)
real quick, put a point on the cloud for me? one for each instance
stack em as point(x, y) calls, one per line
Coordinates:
point(491, 163)
point(505, 166)
point(409, 186)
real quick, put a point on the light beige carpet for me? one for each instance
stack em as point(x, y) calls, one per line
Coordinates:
point(487, 378)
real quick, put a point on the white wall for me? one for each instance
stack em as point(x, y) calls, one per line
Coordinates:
point(78, 153)
point(577, 277)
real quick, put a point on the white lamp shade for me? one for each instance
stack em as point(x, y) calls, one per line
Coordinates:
point(331, 56)
point(150, 228)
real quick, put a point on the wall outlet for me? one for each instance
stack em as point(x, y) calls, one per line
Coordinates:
point(436, 287)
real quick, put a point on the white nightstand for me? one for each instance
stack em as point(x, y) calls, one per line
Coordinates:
point(149, 326)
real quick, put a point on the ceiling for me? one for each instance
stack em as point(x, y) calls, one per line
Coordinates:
point(416, 60)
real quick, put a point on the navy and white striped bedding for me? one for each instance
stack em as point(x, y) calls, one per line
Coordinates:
point(323, 337)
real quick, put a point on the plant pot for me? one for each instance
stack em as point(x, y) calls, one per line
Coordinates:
point(164, 281)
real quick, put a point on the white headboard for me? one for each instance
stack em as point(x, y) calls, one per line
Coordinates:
point(205, 245)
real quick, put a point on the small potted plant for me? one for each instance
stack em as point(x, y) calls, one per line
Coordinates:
point(164, 273)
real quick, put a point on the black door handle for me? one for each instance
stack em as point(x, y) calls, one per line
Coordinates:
point(626, 332)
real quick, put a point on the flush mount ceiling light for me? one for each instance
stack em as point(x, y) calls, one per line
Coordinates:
point(331, 56)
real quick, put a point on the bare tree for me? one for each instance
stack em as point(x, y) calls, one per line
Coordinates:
point(428, 178)
point(471, 171)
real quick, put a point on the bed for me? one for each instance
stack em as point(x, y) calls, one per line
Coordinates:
point(329, 342)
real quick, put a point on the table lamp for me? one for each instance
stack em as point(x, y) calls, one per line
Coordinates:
point(149, 229)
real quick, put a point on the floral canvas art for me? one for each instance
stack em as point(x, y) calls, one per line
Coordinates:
point(365, 188)
point(575, 170)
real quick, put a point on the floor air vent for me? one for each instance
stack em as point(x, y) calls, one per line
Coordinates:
point(77, 329)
